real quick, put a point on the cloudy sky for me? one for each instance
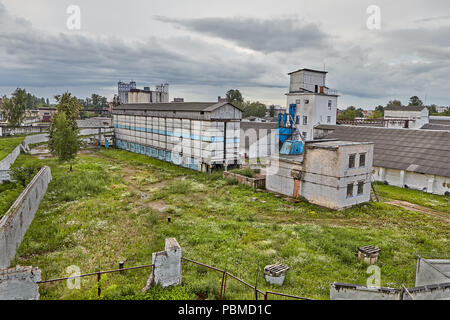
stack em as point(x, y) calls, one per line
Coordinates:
point(203, 48)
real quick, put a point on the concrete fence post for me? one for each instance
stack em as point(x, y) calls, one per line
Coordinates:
point(166, 269)
point(19, 283)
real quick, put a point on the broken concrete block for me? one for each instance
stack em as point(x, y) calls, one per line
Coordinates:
point(167, 265)
point(19, 283)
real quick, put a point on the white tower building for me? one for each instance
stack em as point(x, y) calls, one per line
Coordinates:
point(315, 102)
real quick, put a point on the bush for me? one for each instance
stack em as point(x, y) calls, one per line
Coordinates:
point(24, 173)
point(246, 172)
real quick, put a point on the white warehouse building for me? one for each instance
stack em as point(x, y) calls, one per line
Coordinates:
point(195, 135)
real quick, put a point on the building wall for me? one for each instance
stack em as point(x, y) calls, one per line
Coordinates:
point(315, 107)
point(14, 224)
point(187, 142)
point(413, 180)
point(416, 118)
point(306, 80)
point(324, 174)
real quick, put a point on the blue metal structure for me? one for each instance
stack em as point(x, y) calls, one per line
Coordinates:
point(286, 129)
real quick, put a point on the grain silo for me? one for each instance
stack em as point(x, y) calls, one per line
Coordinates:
point(196, 135)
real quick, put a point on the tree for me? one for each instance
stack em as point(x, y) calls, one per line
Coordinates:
point(348, 114)
point(254, 109)
point(235, 96)
point(65, 142)
point(394, 103)
point(415, 101)
point(63, 133)
point(272, 111)
point(14, 108)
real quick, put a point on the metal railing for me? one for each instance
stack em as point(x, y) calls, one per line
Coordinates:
point(226, 274)
point(98, 274)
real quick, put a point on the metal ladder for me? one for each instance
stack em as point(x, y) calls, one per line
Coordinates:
point(373, 194)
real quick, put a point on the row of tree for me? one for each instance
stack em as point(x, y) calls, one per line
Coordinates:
point(250, 108)
point(351, 112)
point(14, 108)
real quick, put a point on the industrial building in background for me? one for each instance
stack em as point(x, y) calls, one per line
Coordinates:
point(195, 135)
point(310, 102)
point(128, 93)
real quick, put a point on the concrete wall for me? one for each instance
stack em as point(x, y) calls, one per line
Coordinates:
point(19, 283)
point(424, 182)
point(5, 163)
point(15, 222)
point(345, 291)
point(167, 265)
point(282, 181)
point(429, 272)
point(36, 138)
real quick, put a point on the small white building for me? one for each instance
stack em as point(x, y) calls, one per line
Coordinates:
point(333, 174)
point(411, 117)
point(315, 102)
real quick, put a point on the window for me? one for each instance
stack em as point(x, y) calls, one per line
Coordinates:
point(297, 119)
point(304, 135)
point(329, 104)
point(350, 190)
point(360, 187)
point(305, 120)
point(351, 161)
point(328, 119)
point(297, 101)
point(306, 101)
point(362, 159)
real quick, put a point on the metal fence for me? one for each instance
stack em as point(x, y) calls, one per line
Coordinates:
point(223, 285)
point(226, 274)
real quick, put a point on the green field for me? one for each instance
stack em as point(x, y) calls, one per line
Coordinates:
point(7, 145)
point(96, 216)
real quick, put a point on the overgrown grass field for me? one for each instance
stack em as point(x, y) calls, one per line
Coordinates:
point(7, 145)
point(115, 204)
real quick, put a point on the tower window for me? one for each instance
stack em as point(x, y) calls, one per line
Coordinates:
point(329, 104)
point(328, 119)
point(349, 190)
point(360, 187)
point(362, 159)
point(351, 161)
point(305, 120)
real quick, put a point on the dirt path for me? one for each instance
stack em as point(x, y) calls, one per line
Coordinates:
point(417, 208)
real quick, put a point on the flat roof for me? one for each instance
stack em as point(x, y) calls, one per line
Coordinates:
point(310, 70)
point(175, 106)
point(404, 108)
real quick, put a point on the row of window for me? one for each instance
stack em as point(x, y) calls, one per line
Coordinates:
point(306, 101)
point(352, 158)
point(360, 189)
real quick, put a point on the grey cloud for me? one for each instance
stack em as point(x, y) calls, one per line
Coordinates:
point(275, 35)
point(29, 57)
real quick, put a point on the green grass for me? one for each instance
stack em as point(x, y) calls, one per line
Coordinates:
point(9, 191)
point(7, 145)
point(95, 216)
point(247, 172)
point(436, 202)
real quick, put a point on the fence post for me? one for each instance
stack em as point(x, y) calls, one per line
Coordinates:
point(224, 286)
point(121, 266)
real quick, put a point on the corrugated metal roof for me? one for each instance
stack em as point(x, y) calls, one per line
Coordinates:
point(419, 151)
point(404, 108)
point(175, 106)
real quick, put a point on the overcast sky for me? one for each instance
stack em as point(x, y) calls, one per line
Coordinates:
point(203, 48)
